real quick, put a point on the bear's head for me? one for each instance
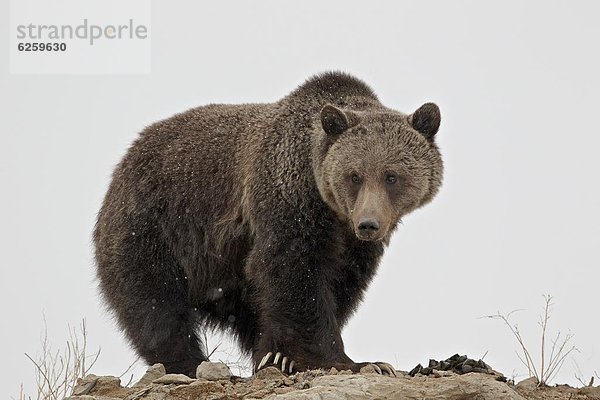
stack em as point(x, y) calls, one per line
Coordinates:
point(374, 167)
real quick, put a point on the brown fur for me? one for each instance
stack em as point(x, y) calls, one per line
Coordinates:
point(246, 218)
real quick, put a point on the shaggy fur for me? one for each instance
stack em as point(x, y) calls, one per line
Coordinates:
point(251, 218)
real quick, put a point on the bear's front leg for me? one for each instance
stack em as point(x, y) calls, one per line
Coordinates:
point(293, 275)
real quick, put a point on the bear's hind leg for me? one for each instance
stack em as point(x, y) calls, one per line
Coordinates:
point(244, 325)
point(234, 313)
point(150, 302)
point(168, 336)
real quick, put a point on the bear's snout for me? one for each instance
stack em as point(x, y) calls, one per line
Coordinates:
point(367, 228)
point(371, 213)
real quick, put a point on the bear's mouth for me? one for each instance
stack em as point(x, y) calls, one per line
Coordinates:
point(369, 231)
point(369, 238)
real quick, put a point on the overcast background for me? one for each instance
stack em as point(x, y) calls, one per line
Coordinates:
point(517, 217)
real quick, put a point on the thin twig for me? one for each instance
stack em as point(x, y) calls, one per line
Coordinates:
point(129, 369)
point(527, 360)
point(560, 355)
point(43, 373)
point(544, 324)
point(57, 372)
point(560, 350)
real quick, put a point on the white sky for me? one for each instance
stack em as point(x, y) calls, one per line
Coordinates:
point(518, 216)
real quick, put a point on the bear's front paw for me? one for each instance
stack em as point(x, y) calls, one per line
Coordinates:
point(380, 367)
point(279, 360)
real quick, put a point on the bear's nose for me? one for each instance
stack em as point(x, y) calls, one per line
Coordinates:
point(368, 226)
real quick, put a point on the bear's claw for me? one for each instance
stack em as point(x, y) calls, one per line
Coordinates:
point(265, 361)
point(377, 369)
point(383, 367)
point(283, 362)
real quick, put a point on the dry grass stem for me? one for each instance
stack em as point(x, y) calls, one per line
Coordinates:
point(57, 371)
point(561, 346)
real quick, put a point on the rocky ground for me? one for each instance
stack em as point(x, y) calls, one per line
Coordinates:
point(215, 382)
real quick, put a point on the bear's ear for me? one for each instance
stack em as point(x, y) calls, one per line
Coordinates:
point(426, 120)
point(334, 120)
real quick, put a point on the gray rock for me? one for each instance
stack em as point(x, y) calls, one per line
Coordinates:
point(270, 373)
point(529, 383)
point(84, 386)
point(150, 392)
point(345, 372)
point(368, 369)
point(152, 373)
point(173, 379)
point(440, 374)
point(156, 396)
point(213, 371)
point(318, 385)
point(105, 383)
point(358, 387)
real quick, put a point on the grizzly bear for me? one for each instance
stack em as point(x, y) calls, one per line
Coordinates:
point(264, 220)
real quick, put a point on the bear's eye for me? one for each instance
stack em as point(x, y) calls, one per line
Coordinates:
point(355, 178)
point(391, 178)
